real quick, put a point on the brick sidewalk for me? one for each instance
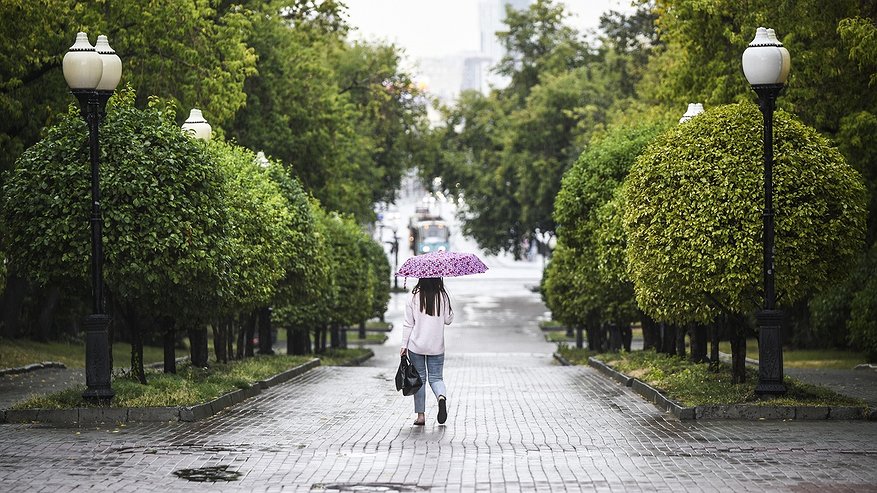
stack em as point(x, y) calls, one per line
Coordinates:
point(517, 423)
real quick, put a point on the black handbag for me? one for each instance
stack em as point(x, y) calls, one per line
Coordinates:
point(407, 378)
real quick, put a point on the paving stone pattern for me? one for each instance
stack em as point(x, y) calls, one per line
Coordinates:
point(518, 422)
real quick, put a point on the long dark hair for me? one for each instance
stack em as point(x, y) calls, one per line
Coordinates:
point(431, 290)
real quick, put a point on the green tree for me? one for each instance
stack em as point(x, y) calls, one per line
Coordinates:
point(390, 113)
point(187, 52)
point(303, 296)
point(163, 228)
point(692, 216)
point(588, 214)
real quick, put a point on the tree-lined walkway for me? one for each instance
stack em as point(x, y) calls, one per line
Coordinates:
point(518, 422)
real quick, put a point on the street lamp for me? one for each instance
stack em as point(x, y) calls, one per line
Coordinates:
point(92, 73)
point(197, 126)
point(694, 109)
point(766, 64)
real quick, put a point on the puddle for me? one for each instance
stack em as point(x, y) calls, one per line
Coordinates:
point(205, 474)
point(367, 487)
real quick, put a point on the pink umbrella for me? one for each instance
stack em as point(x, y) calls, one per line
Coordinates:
point(442, 264)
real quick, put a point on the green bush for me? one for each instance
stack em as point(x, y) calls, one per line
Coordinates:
point(693, 220)
point(588, 273)
point(160, 193)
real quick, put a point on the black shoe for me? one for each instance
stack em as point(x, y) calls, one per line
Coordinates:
point(443, 410)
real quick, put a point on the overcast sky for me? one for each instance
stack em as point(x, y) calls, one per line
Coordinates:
point(428, 28)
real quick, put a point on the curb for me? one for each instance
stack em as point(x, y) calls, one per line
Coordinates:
point(100, 415)
point(381, 330)
point(362, 359)
point(32, 367)
point(563, 361)
point(732, 411)
point(358, 341)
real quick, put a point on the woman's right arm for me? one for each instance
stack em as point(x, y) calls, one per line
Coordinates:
point(449, 313)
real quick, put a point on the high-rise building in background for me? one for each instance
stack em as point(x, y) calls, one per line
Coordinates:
point(447, 76)
point(491, 17)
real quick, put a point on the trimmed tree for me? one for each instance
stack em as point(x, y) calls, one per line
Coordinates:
point(588, 226)
point(693, 205)
point(162, 226)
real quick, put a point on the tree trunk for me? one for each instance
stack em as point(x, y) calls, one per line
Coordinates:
point(199, 352)
point(136, 346)
point(680, 341)
point(13, 298)
point(170, 347)
point(738, 357)
point(250, 333)
point(614, 337)
point(626, 335)
point(698, 335)
point(266, 339)
point(715, 331)
point(336, 340)
point(668, 344)
point(46, 320)
point(362, 329)
point(219, 341)
point(651, 336)
point(324, 338)
point(241, 337)
point(579, 342)
point(229, 338)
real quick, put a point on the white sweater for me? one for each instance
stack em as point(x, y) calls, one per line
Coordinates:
point(422, 333)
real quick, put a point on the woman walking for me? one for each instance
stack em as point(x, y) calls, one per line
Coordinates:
point(423, 338)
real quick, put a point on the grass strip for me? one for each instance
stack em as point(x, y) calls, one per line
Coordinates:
point(807, 358)
point(189, 386)
point(693, 384)
point(21, 352)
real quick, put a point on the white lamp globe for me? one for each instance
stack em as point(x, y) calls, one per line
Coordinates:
point(112, 65)
point(763, 60)
point(197, 126)
point(693, 110)
point(82, 65)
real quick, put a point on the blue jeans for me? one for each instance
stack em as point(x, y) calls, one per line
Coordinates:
point(432, 363)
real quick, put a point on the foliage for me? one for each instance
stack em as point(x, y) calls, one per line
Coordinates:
point(589, 222)
point(304, 291)
point(863, 308)
point(503, 155)
point(187, 52)
point(692, 215)
point(257, 251)
point(161, 201)
point(345, 117)
point(352, 302)
point(379, 277)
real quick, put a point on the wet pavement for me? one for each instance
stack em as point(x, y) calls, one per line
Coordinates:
point(518, 422)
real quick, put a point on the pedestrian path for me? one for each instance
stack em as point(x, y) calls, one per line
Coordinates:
point(518, 422)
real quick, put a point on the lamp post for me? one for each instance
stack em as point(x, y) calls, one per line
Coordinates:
point(197, 126)
point(766, 65)
point(694, 109)
point(92, 73)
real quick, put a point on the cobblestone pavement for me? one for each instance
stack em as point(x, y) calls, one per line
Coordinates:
point(518, 422)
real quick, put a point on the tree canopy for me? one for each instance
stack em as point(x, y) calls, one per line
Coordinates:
point(693, 215)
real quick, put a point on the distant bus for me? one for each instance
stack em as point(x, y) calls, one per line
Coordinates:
point(429, 235)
